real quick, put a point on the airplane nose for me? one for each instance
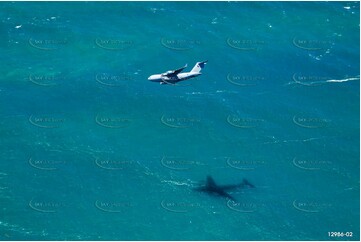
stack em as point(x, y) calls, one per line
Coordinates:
point(152, 78)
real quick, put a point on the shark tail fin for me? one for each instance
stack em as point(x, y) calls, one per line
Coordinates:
point(199, 66)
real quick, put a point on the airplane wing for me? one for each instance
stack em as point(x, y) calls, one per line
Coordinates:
point(210, 182)
point(175, 72)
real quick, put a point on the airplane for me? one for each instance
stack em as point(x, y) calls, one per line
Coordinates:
point(212, 188)
point(172, 77)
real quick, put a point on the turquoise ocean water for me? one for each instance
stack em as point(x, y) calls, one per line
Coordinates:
point(92, 150)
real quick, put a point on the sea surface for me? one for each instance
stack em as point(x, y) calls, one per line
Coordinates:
point(92, 150)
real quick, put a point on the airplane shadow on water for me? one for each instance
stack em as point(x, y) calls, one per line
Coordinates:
point(212, 188)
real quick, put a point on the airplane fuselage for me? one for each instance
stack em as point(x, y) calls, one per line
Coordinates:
point(212, 188)
point(161, 78)
point(215, 191)
point(174, 76)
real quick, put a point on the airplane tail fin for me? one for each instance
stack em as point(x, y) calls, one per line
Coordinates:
point(246, 183)
point(199, 66)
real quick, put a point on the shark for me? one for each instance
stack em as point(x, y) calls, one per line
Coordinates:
point(213, 189)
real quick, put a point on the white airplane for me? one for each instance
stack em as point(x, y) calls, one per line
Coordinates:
point(172, 77)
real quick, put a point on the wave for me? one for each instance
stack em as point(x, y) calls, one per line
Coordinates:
point(345, 80)
point(316, 83)
point(211, 93)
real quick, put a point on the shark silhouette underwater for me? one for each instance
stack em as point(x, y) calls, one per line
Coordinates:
point(213, 189)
